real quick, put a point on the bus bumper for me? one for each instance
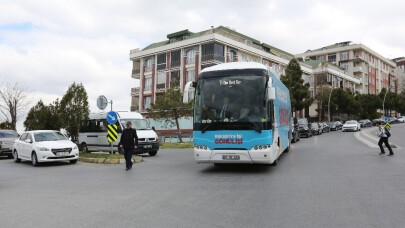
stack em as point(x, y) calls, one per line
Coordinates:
point(234, 156)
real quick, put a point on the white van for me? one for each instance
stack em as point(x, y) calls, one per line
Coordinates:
point(94, 136)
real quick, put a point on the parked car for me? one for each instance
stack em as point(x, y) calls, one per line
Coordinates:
point(295, 133)
point(339, 125)
point(44, 146)
point(315, 129)
point(375, 121)
point(332, 126)
point(7, 138)
point(351, 125)
point(304, 127)
point(365, 123)
point(401, 119)
point(325, 127)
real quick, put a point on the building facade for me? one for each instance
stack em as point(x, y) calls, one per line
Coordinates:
point(373, 71)
point(180, 58)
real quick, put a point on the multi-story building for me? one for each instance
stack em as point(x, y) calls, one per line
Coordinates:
point(372, 69)
point(400, 73)
point(180, 58)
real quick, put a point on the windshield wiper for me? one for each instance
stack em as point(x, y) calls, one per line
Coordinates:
point(206, 127)
point(252, 127)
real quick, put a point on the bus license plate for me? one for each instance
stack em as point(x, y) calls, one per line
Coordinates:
point(230, 157)
point(147, 146)
point(62, 153)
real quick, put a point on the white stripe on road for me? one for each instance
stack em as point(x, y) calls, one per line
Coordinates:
point(371, 142)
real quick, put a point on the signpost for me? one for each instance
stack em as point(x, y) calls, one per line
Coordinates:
point(112, 118)
point(102, 102)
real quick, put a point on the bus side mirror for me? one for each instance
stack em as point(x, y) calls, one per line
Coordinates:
point(153, 128)
point(187, 90)
point(271, 94)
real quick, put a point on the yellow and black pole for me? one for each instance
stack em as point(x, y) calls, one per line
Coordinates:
point(112, 135)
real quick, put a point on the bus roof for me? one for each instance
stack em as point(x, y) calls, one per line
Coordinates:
point(235, 66)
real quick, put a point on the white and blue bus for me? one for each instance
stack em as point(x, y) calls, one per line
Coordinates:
point(242, 114)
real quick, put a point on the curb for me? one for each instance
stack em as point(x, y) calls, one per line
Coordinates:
point(135, 159)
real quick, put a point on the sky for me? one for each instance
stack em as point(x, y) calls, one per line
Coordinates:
point(46, 45)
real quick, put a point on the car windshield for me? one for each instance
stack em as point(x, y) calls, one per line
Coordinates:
point(362, 121)
point(8, 134)
point(49, 136)
point(314, 124)
point(302, 121)
point(331, 123)
point(138, 124)
point(351, 122)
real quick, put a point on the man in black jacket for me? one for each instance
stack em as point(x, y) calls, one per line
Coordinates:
point(129, 141)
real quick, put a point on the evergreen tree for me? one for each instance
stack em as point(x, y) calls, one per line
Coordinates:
point(74, 109)
point(299, 92)
point(169, 107)
point(37, 118)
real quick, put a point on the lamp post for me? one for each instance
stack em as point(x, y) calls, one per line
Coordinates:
point(384, 103)
point(330, 94)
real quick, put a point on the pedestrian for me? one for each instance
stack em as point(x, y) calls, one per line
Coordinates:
point(382, 133)
point(128, 142)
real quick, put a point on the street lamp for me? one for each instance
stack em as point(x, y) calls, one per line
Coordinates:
point(330, 94)
point(384, 102)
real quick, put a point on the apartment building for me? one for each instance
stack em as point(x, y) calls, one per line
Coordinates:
point(373, 71)
point(400, 73)
point(179, 59)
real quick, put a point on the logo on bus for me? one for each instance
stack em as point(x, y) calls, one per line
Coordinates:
point(229, 139)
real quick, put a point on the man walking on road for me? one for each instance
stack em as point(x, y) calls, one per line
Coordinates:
point(129, 141)
point(382, 133)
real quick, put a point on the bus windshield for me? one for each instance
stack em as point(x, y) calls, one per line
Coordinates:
point(138, 124)
point(231, 102)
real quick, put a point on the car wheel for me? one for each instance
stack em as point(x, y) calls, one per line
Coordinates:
point(84, 148)
point(15, 157)
point(274, 163)
point(73, 161)
point(152, 154)
point(34, 159)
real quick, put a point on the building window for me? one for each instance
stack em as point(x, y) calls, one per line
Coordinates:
point(190, 75)
point(148, 85)
point(148, 65)
point(175, 79)
point(161, 62)
point(175, 58)
point(344, 66)
point(212, 52)
point(146, 102)
point(344, 55)
point(321, 58)
point(332, 58)
point(232, 56)
point(190, 56)
point(161, 80)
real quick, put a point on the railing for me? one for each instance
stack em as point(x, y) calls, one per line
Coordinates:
point(135, 91)
point(212, 57)
point(136, 73)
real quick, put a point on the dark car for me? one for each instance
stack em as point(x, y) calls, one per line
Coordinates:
point(325, 127)
point(339, 125)
point(304, 127)
point(332, 126)
point(295, 133)
point(7, 138)
point(316, 130)
point(375, 121)
point(365, 123)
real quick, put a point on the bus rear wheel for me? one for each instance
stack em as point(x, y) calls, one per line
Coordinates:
point(152, 153)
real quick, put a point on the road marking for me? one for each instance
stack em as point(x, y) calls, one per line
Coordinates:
point(361, 136)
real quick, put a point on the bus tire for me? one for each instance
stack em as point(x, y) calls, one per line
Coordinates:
point(152, 153)
point(274, 163)
point(84, 148)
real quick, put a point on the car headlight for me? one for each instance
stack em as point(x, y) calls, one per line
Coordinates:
point(75, 147)
point(43, 149)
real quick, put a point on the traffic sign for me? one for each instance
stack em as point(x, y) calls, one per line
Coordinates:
point(102, 102)
point(112, 117)
point(112, 133)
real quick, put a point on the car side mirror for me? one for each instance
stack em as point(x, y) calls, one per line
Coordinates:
point(153, 128)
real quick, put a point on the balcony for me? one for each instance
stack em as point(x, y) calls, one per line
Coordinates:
point(135, 92)
point(357, 69)
point(136, 73)
point(212, 59)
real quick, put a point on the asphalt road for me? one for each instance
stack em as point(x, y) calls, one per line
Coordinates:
point(332, 180)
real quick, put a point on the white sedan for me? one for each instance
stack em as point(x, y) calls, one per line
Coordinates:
point(351, 125)
point(44, 146)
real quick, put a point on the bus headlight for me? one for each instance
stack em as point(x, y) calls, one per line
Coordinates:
point(201, 147)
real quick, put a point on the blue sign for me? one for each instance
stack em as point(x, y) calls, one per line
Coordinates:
point(112, 117)
point(387, 119)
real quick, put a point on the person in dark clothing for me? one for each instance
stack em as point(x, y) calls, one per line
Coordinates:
point(128, 142)
point(383, 139)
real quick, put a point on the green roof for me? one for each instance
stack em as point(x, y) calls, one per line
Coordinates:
point(336, 45)
point(276, 50)
point(315, 63)
point(180, 33)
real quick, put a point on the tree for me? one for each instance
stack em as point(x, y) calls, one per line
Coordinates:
point(5, 125)
point(169, 107)
point(13, 102)
point(299, 92)
point(74, 109)
point(42, 117)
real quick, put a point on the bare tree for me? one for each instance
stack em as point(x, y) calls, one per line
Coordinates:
point(13, 103)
